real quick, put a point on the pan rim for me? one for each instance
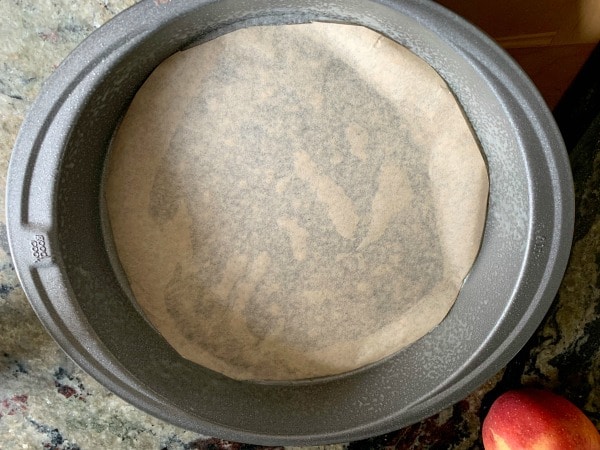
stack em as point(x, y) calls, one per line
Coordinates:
point(474, 47)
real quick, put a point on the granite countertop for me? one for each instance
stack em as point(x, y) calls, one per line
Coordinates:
point(47, 402)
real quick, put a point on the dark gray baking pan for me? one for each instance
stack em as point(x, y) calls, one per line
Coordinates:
point(54, 219)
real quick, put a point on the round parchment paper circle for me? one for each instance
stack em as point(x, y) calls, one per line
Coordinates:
point(295, 201)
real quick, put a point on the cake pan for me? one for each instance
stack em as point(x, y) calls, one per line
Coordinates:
point(68, 269)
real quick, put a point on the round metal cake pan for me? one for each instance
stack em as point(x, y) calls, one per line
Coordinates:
point(64, 264)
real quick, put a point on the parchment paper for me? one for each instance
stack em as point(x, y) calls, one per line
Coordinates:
point(295, 201)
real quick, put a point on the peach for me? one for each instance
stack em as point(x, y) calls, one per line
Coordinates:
point(534, 419)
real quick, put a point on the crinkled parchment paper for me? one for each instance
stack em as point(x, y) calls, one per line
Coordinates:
point(295, 201)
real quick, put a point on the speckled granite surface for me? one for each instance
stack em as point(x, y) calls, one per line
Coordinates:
point(47, 402)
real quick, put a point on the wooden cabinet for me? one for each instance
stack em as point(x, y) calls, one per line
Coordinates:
point(550, 39)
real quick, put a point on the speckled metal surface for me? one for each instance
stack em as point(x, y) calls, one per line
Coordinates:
point(22, 409)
